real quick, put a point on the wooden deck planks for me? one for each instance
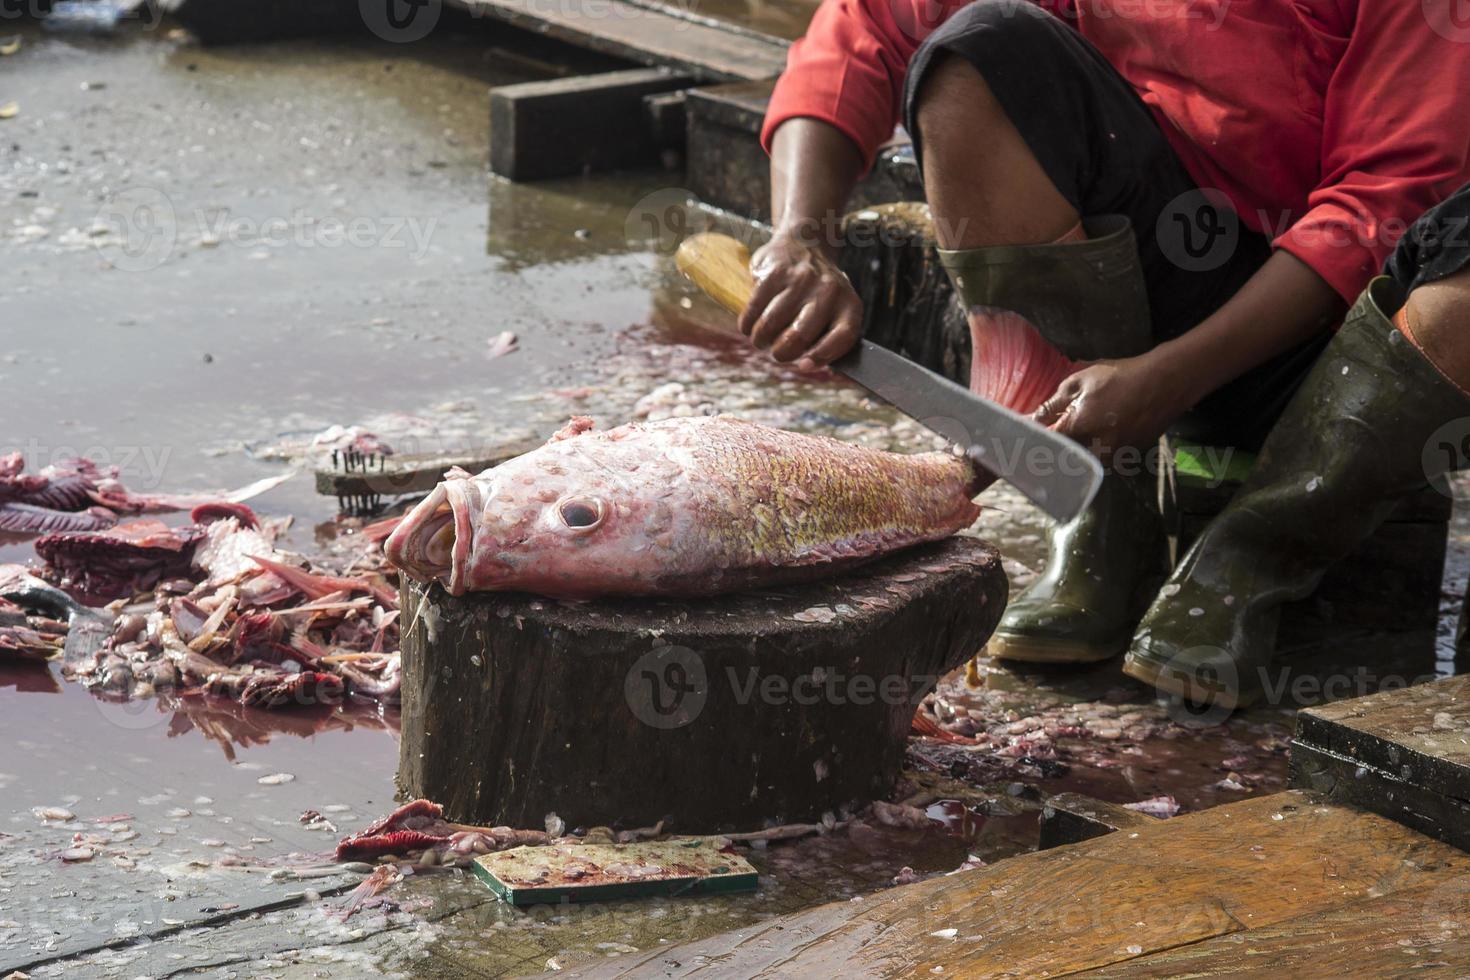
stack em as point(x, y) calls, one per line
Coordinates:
point(1420, 931)
point(645, 35)
point(1095, 904)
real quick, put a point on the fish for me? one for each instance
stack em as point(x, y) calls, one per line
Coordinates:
point(688, 506)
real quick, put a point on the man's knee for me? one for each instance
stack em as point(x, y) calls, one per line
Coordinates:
point(949, 87)
point(952, 104)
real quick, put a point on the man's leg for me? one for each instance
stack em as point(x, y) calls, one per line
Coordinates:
point(988, 190)
point(1360, 433)
point(1010, 172)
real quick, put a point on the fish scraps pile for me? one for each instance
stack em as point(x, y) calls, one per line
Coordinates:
point(208, 607)
point(78, 495)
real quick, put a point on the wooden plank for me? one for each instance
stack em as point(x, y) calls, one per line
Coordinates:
point(406, 473)
point(225, 905)
point(728, 168)
point(1420, 931)
point(1067, 818)
point(1085, 906)
point(1404, 754)
point(647, 36)
point(568, 126)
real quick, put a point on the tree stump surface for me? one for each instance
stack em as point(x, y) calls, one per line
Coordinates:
point(713, 714)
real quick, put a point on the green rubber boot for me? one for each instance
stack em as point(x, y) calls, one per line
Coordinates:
point(1101, 570)
point(1349, 445)
point(1088, 300)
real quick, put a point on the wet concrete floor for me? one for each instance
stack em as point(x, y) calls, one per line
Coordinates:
point(211, 255)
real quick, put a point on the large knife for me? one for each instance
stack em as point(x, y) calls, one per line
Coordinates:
point(1054, 472)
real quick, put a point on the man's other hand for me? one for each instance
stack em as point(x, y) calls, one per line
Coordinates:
point(804, 308)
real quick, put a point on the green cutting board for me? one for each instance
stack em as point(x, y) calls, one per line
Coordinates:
point(602, 872)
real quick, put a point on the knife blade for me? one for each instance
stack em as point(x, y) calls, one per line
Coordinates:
point(1054, 472)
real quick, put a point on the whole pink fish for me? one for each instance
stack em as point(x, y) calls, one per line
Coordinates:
point(687, 506)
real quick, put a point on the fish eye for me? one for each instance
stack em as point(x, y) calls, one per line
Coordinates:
point(580, 514)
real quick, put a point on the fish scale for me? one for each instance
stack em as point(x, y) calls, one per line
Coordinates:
point(687, 506)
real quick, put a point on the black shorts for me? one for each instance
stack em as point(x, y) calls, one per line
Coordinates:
point(1106, 154)
point(1437, 245)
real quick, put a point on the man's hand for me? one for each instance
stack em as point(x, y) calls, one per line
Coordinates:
point(803, 306)
point(1111, 404)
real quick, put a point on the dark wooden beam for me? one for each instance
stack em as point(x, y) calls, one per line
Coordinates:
point(1403, 753)
point(645, 35)
point(1067, 818)
point(230, 22)
point(728, 168)
point(576, 125)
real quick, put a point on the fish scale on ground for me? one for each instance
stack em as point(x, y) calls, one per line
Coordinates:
point(687, 506)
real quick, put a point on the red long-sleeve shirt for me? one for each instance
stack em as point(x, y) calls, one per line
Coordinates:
point(1329, 124)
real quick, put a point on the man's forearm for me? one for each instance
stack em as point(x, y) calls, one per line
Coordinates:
point(1283, 305)
point(814, 168)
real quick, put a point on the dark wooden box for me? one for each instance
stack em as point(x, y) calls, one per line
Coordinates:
point(1404, 754)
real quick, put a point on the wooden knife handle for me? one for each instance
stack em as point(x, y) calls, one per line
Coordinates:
point(719, 265)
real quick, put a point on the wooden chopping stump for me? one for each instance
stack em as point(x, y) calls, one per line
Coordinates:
point(713, 714)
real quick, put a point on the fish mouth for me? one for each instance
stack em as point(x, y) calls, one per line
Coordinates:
point(434, 541)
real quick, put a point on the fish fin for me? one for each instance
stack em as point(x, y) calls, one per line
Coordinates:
point(1011, 363)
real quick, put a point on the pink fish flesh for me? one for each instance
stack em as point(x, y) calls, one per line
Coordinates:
point(685, 506)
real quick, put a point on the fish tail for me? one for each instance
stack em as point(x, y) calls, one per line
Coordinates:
point(1011, 363)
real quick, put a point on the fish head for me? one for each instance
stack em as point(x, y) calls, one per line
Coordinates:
point(556, 521)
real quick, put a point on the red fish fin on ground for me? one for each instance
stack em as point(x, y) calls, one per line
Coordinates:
point(925, 727)
point(575, 426)
point(314, 586)
point(1012, 364)
point(426, 809)
point(17, 518)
